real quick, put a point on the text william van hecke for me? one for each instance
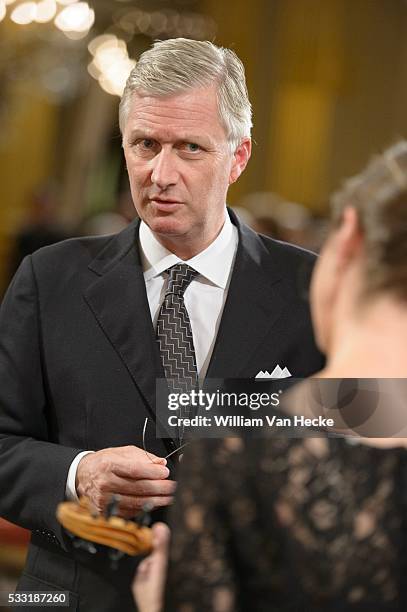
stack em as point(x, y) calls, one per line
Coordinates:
point(241, 421)
point(272, 421)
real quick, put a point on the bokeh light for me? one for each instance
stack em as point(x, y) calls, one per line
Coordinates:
point(78, 17)
point(24, 13)
point(46, 10)
point(111, 64)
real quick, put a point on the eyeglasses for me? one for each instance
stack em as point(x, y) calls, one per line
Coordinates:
point(169, 455)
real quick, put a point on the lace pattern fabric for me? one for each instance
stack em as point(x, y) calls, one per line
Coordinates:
point(288, 524)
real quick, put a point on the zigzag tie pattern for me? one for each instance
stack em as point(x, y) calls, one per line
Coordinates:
point(174, 335)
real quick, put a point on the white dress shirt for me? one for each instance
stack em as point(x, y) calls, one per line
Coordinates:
point(204, 297)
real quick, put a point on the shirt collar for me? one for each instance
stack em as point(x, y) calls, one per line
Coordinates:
point(214, 263)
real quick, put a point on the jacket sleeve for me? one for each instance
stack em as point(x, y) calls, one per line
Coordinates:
point(33, 469)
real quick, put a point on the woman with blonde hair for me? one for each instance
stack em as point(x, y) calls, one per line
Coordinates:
point(312, 523)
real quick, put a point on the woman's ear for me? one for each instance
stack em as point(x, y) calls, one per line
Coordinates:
point(349, 237)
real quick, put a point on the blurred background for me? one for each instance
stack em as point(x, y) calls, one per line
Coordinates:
point(327, 79)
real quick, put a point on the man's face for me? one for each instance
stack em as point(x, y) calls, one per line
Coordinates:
point(180, 167)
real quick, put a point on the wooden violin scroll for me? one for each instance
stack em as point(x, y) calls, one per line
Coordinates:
point(126, 536)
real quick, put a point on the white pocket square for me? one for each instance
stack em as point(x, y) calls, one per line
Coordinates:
point(276, 373)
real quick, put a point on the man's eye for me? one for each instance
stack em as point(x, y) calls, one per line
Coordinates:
point(192, 147)
point(147, 143)
point(145, 146)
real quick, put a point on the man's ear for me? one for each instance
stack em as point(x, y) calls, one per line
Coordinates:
point(349, 238)
point(240, 158)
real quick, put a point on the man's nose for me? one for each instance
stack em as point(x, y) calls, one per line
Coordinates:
point(164, 172)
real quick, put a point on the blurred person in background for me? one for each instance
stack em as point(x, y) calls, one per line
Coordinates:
point(274, 216)
point(267, 225)
point(79, 352)
point(40, 228)
point(110, 222)
point(314, 523)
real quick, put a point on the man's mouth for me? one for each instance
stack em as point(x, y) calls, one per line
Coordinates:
point(164, 200)
point(165, 203)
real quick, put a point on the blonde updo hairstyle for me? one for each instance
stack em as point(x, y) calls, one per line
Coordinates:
point(379, 196)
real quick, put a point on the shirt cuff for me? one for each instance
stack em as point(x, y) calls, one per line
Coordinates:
point(70, 488)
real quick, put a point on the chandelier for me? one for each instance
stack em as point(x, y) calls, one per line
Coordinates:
point(71, 17)
point(110, 42)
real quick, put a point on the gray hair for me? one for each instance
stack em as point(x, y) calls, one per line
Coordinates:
point(179, 64)
point(379, 196)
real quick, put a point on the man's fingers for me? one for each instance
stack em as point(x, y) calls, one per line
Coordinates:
point(129, 506)
point(140, 469)
point(128, 472)
point(144, 487)
point(135, 453)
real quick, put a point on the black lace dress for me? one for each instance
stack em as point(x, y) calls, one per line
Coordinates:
point(289, 525)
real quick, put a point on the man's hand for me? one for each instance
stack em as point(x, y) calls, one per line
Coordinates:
point(149, 581)
point(127, 471)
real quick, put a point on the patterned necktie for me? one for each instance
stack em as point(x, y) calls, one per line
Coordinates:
point(174, 333)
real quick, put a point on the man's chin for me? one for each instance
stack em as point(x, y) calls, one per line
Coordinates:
point(167, 227)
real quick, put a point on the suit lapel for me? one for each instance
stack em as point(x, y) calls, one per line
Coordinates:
point(119, 302)
point(252, 306)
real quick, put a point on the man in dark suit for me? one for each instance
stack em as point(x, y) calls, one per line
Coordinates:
point(79, 356)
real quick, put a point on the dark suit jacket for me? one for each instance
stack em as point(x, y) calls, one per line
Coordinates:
point(78, 365)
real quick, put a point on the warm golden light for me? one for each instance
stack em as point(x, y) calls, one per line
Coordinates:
point(93, 71)
point(76, 35)
point(111, 64)
point(96, 42)
point(2, 10)
point(114, 80)
point(46, 10)
point(75, 18)
point(109, 55)
point(24, 13)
